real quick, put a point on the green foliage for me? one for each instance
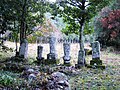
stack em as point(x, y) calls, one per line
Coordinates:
point(89, 29)
point(22, 15)
point(7, 78)
point(32, 39)
point(73, 11)
point(115, 4)
point(70, 29)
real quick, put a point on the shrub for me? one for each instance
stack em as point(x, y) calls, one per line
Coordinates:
point(107, 26)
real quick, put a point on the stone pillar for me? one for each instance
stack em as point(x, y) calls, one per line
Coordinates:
point(66, 57)
point(39, 53)
point(23, 50)
point(96, 54)
point(52, 55)
point(81, 58)
point(96, 50)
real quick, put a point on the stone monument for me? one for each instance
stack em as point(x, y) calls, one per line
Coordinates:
point(66, 57)
point(96, 62)
point(39, 53)
point(52, 42)
point(23, 50)
point(81, 58)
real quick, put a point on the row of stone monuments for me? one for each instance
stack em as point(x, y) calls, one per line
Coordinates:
point(52, 56)
point(45, 40)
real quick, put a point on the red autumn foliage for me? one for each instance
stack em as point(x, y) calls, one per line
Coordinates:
point(113, 34)
point(112, 23)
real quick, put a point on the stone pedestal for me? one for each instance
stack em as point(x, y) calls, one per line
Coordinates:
point(52, 55)
point(66, 57)
point(81, 59)
point(23, 50)
point(39, 53)
point(96, 62)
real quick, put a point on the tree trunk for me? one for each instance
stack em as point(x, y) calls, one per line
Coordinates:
point(16, 38)
point(23, 23)
point(81, 53)
point(81, 41)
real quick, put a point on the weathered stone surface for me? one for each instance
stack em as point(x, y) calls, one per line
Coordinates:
point(66, 57)
point(32, 76)
point(96, 50)
point(30, 70)
point(58, 81)
point(52, 42)
point(59, 76)
point(81, 58)
point(24, 49)
point(39, 53)
point(29, 73)
point(52, 55)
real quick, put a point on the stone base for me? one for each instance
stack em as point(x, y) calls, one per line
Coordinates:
point(67, 60)
point(96, 62)
point(49, 61)
point(79, 65)
point(96, 66)
point(39, 59)
point(67, 63)
point(51, 56)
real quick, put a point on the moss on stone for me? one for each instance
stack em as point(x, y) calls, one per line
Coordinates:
point(67, 64)
point(96, 62)
point(96, 66)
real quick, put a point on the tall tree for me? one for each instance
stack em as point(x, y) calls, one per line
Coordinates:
point(21, 16)
point(76, 13)
point(26, 14)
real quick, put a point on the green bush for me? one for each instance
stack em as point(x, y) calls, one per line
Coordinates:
point(7, 78)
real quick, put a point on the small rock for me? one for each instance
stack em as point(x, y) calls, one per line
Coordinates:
point(30, 70)
point(59, 76)
point(62, 83)
point(66, 84)
point(31, 76)
point(58, 81)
